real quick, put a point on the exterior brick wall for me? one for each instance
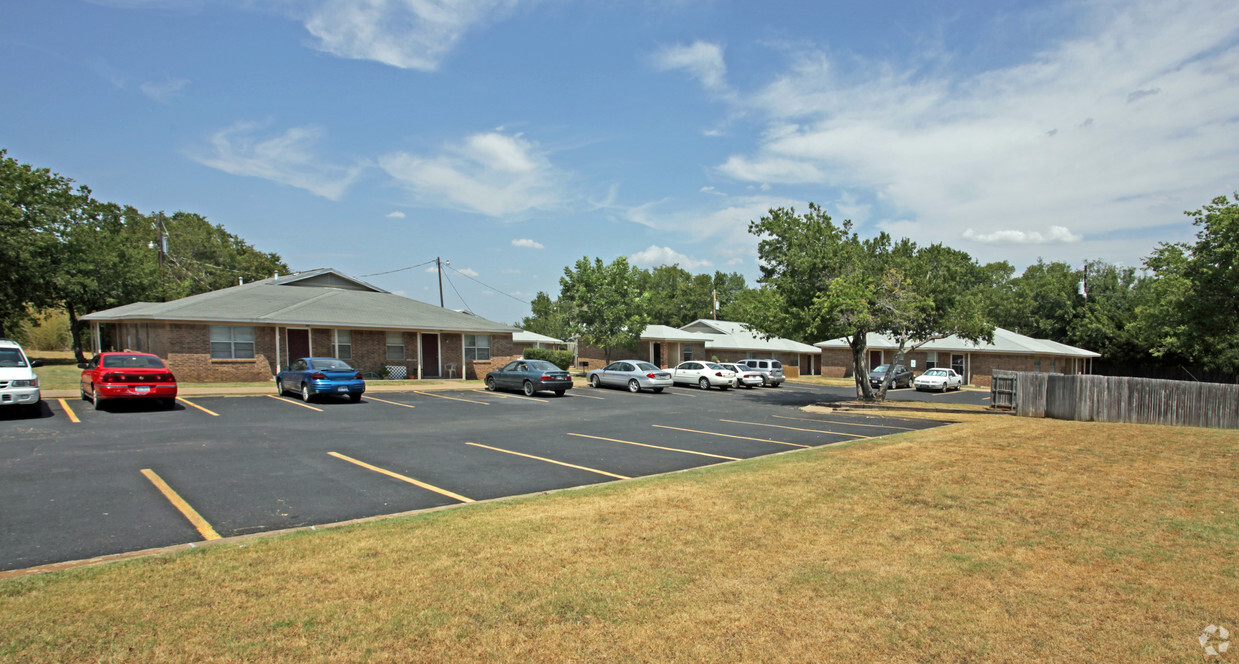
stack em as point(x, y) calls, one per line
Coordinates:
point(502, 351)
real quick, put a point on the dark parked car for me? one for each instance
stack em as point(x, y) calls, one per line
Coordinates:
point(314, 376)
point(530, 376)
point(901, 378)
point(127, 375)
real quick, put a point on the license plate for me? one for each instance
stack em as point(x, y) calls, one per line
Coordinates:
point(342, 389)
point(142, 389)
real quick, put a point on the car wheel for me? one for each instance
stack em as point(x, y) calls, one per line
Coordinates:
point(658, 390)
point(35, 409)
point(279, 387)
point(168, 404)
point(354, 397)
point(490, 384)
point(559, 393)
point(94, 396)
point(775, 384)
point(594, 381)
point(529, 389)
point(763, 381)
point(723, 388)
point(305, 393)
point(704, 383)
point(634, 386)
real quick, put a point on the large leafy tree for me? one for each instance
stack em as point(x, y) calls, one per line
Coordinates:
point(606, 306)
point(677, 297)
point(549, 317)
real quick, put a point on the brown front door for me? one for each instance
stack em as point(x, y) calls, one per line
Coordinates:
point(875, 359)
point(430, 355)
point(298, 344)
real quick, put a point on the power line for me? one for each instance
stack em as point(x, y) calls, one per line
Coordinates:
point(498, 290)
point(402, 269)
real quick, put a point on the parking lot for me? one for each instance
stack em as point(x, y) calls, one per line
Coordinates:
point(79, 483)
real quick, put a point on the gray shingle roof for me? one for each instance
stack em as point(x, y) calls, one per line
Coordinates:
point(290, 300)
point(1005, 341)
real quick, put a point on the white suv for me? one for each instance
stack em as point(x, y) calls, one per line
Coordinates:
point(18, 384)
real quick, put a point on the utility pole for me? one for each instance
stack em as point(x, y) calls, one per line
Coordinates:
point(439, 262)
point(716, 304)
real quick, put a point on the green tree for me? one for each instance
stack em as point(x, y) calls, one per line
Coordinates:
point(549, 317)
point(606, 307)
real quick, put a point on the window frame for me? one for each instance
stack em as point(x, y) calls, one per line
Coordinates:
point(342, 350)
point(473, 349)
point(389, 346)
point(216, 343)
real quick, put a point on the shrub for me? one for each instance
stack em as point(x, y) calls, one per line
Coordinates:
point(560, 358)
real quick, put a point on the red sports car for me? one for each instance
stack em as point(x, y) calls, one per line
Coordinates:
point(127, 375)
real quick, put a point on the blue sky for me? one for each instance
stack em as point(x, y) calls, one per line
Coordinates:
point(513, 137)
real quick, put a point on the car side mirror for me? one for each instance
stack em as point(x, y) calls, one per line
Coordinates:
point(36, 363)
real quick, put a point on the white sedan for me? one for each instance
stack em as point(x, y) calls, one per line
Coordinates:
point(745, 376)
point(704, 374)
point(940, 379)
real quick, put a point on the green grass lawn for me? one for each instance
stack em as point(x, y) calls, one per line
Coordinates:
point(998, 539)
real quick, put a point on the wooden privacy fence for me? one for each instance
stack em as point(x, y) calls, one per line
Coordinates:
point(1117, 399)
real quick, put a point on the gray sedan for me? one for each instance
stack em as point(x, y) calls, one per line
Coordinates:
point(633, 374)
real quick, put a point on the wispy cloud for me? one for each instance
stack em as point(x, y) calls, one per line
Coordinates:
point(654, 256)
point(287, 158)
point(165, 90)
point(527, 243)
point(492, 174)
point(1122, 127)
point(410, 34)
point(395, 215)
point(702, 60)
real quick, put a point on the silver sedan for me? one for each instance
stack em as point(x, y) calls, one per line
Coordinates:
point(633, 374)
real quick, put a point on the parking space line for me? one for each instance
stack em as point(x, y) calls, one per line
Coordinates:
point(69, 411)
point(590, 396)
point(204, 528)
point(394, 403)
point(187, 402)
point(844, 423)
point(517, 396)
point(727, 435)
point(402, 478)
point(295, 403)
point(440, 396)
point(558, 463)
point(683, 394)
point(657, 447)
point(780, 426)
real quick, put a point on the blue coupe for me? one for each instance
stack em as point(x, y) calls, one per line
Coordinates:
point(314, 376)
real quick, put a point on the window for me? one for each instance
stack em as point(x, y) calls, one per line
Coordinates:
point(232, 342)
point(957, 363)
point(344, 344)
point(395, 345)
point(931, 360)
point(688, 353)
point(477, 347)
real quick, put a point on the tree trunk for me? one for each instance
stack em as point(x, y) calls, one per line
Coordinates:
point(859, 371)
point(75, 331)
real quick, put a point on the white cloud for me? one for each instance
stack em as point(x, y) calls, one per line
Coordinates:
point(163, 91)
point(1121, 128)
point(1055, 235)
point(728, 223)
point(492, 174)
point(702, 60)
point(468, 272)
point(288, 159)
point(527, 243)
point(395, 215)
point(654, 256)
point(410, 34)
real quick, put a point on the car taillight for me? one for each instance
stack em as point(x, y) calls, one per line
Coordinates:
point(358, 376)
point(650, 375)
point(718, 373)
point(167, 378)
point(318, 375)
point(547, 377)
point(110, 378)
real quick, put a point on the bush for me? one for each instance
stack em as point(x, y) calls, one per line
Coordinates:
point(47, 330)
point(560, 358)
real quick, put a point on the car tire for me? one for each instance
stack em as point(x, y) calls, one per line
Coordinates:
point(723, 388)
point(763, 381)
point(354, 397)
point(279, 387)
point(94, 396)
point(305, 393)
point(704, 383)
point(594, 381)
point(490, 384)
point(657, 390)
point(168, 404)
point(529, 391)
point(775, 384)
point(559, 393)
point(35, 409)
point(634, 386)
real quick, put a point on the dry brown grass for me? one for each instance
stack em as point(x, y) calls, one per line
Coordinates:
point(998, 539)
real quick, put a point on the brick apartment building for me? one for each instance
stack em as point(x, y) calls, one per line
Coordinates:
point(248, 332)
point(706, 339)
point(1009, 351)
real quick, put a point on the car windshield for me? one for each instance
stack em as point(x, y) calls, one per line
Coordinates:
point(646, 366)
point(881, 368)
point(541, 365)
point(716, 367)
point(330, 365)
point(132, 362)
point(935, 372)
point(11, 357)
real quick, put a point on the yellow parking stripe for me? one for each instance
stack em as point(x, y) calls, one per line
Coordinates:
point(558, 463)
point(390, 402)
point(69, 411)
point(440, 396)
point(295, 403)
point(657, 447)
point(842, 423)
point(204, 528)
point(402, 478)
point(187, 402)
point(518, 396)
point(779, 426)
point(727, 435)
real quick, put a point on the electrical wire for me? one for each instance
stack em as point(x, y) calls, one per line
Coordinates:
point(497, 290)
point(402, 269)
point(462, 299)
